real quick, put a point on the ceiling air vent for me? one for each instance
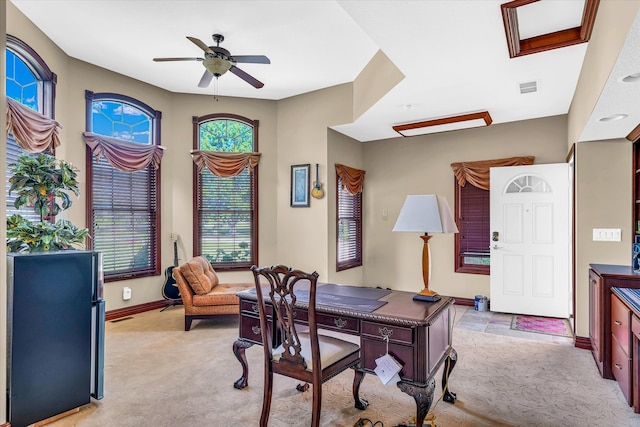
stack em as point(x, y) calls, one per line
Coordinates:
point(528, 87)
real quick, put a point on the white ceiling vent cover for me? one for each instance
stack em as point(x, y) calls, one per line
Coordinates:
point(528, 87)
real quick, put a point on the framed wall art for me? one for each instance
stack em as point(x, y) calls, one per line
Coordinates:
point(300, 186)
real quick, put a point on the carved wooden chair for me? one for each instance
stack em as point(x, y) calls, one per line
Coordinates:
point(288, 351)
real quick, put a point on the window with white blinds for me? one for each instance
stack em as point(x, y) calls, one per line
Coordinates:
point(123, 207)
point(29, 81)
point(226, 208)
point(349, 229)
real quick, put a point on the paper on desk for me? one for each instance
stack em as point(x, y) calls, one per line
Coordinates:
point(387, 369)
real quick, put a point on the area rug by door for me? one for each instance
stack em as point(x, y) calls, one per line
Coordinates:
point(541, 325)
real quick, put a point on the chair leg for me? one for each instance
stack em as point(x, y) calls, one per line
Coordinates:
point(317, 404)
point(266, 397)
point(187, 322)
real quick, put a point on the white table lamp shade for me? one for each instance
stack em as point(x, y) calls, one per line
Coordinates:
point(426, 214)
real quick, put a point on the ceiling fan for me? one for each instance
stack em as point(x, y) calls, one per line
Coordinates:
point(218, 60)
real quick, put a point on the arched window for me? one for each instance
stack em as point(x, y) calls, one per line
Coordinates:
point(30, 82)
point(123, 207)
point(528, 184)
point(225, 208)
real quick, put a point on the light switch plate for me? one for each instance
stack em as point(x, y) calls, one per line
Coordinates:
point(607, 235)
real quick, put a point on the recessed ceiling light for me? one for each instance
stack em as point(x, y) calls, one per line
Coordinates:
point(613, 118)
point(632, 78)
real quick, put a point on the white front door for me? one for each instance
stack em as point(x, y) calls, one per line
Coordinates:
point(530, 240)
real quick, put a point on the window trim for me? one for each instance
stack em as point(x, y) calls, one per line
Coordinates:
point(459, 265)
point(156, 242)
point(357, 261)
point(40, 68)
point(48, 80)
point(197, 247)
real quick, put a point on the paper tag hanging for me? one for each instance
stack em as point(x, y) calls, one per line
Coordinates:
point(387, 369)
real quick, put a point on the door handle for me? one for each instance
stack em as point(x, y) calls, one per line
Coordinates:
point(617, 322)
point(497, 247)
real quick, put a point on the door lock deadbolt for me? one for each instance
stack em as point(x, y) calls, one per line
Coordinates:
point(494, 236)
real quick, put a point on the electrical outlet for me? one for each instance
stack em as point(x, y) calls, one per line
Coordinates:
point(126, 293)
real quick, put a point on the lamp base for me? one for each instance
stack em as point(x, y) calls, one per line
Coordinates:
point(427, 298)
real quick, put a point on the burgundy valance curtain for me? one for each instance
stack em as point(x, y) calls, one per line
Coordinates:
point(124, 155)
point(224, 164)
point(477, 173)
point(32, 131)
point(352, 178)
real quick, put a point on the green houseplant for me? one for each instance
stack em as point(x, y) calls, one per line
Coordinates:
point(43, 182)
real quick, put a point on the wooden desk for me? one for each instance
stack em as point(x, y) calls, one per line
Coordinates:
point(418, 333)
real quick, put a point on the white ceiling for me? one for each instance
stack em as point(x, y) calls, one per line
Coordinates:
point(453, 53)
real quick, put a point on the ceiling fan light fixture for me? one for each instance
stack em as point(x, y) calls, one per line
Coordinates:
point(217, 66)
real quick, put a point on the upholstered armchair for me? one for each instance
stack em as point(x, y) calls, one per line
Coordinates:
point(202, 294)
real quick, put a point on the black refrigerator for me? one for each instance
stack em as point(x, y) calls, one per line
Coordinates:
point(55, 333)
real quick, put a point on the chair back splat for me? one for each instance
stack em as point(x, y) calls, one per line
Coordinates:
point(292, 346)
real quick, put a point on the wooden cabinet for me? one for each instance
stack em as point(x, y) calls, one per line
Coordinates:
point(602, 277)
point(621, 354)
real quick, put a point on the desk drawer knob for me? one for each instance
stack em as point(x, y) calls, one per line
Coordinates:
point(340, 323)
point(618, 366)
point(255, 330)
point(254, 307)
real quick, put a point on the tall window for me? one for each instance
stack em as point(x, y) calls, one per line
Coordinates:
point(226, 223)
point(472, 241)
point(30, 82)
point(123, 208)
point(349, 228)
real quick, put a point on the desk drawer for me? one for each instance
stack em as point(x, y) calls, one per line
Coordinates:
point(621, 323)
point(250, 329)
point(338, 323)
point(621, 368)
point(373, 349)
point(252, 307)
point(396, 334)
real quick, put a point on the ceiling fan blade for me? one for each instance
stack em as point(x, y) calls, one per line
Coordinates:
point(251, 59)
point(205, 81)
point(177, 59)
point(246, 77)
point(201, 45)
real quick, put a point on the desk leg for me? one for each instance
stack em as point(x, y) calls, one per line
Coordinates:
point(449, 364)
point(357, 380)
point(423, 395)
point(239, 346)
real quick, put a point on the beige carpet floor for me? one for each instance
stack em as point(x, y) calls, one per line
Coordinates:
point(158, 375)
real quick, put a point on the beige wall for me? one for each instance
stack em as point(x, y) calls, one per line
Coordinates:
point(378, 77)
point(302, 138)
point(421, 165)
point(603, 195)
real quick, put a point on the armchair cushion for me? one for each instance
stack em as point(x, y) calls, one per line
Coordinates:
point(200, 275)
